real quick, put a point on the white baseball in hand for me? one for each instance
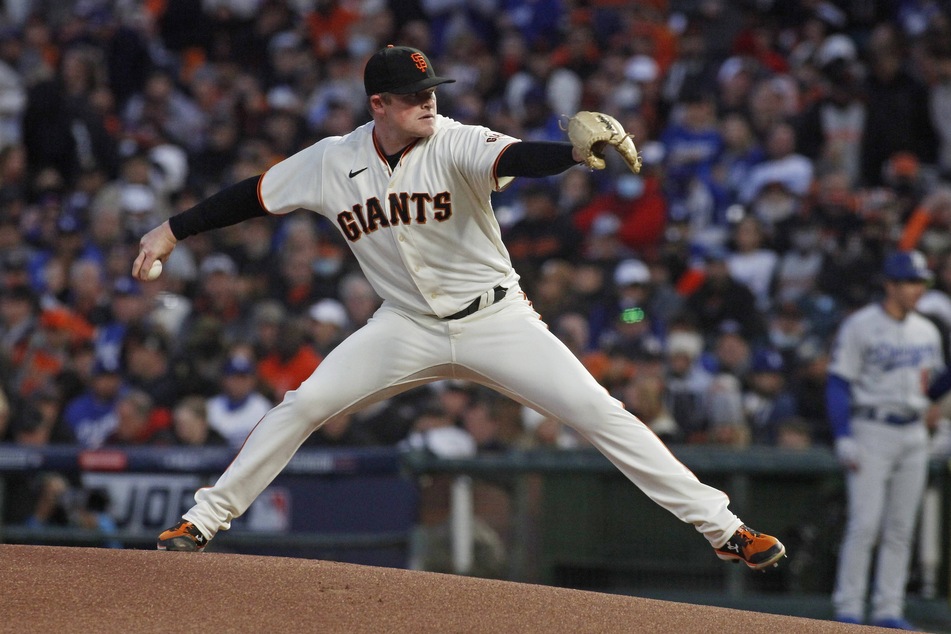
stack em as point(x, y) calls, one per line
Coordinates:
point(154, 271)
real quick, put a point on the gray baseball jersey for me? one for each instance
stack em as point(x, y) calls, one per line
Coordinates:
point(889, 365)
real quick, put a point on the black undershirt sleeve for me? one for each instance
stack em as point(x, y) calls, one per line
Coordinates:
point(228, 207)
point(535, 158)
point(240, 202)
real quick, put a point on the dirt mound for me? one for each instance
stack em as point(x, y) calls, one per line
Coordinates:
point(55, 589)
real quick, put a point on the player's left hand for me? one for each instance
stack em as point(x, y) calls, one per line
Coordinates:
point(933, 416)
point(589, 132)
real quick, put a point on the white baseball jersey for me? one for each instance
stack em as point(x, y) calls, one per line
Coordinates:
point(888, 363)
point(425, 234)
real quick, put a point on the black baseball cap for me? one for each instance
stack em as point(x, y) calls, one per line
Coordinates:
point(401, 70)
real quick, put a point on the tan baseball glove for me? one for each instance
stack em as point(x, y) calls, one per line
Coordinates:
point(589, 132)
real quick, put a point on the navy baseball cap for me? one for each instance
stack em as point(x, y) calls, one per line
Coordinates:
point(401, 70)
point(766, 360)
point(238, 364)
point(106, 365)
point(907, 266)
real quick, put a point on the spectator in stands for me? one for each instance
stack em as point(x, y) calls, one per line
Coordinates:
point(752, 261)
point(767, 401)
point(49, 349)
point(730, 352)
point(220, 297)
point(787, 328)
point(728, 424)
point(693, 144)
point(736, 78)
point(630, 341)
point(602, 247)
point(190, 426)
point(830, 131)
point(647, 286)
point(800, 266)
point(553, 295)
point(18, 318)
point(61, 129)
point(783, 168)
point(161, 108)
point(574, 331)
point(576, 188)
point(252, 249)
point(88, 293)
point(897, 107)
point(482, 421)
point(135, 193)
point(266, 319)
point(299, 286)
point(133, 412)
point(638, 204)
point(687, 384)
point(808, 384)
point(92, 415)
point(289, 363)
point(235, 411)
point(148, 367)
point(129, 310)
point(720, 298)
point(541, 234)
point(15, 267)
point(741, 152)
point(643, 396)
point(328, 323)
point(939, 98)
point(39, 419)
point(693, 67)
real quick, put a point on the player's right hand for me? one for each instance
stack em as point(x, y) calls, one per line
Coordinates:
point(157, 244)
point(847, 452)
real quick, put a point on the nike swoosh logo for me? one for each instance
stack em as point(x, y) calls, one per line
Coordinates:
point(352, 173)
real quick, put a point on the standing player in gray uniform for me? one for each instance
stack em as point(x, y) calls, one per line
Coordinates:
point(884, 364)
point(410, 192)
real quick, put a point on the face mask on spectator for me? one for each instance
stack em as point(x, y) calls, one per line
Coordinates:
point(774, 208)
point(630, 186)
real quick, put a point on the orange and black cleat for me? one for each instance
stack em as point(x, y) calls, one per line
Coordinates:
point(184, 536)
point(753, 548)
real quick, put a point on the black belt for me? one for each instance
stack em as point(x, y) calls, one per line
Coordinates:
point(885, 416)
point(497, 293)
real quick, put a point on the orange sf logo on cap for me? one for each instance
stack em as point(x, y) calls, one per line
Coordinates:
point(420, 61)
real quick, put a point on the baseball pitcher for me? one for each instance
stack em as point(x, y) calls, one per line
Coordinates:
point(410, 193)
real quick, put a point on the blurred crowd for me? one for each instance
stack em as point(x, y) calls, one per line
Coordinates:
point(787, 146)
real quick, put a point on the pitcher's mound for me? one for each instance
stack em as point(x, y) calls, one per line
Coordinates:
point(54, 589)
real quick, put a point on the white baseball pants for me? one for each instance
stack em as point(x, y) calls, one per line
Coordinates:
point(506, 347)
